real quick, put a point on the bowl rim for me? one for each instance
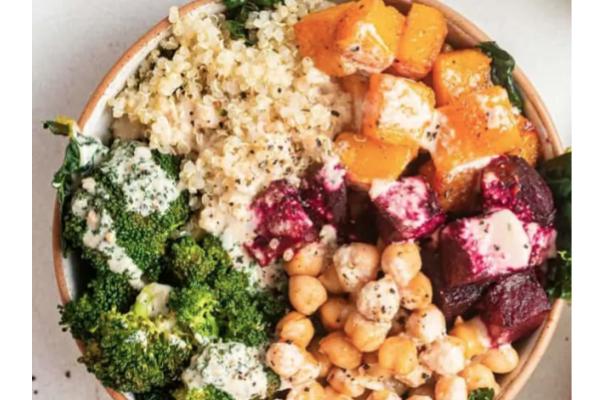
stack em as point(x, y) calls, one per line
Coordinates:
point(534, 106)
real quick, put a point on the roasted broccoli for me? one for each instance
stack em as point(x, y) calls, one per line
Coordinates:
point(107, 291)
point(118, 219)
point(132, 353)
point(188, 262)
point(194, 308)
point(208, 392)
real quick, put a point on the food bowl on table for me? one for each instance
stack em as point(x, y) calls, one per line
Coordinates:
point(96, 118)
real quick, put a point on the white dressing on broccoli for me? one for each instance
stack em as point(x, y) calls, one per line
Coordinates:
point(146, 186)
point(231, 367)
point(101, 236)
point(153, 300)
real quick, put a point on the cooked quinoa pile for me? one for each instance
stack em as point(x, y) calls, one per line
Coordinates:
point(242, 116)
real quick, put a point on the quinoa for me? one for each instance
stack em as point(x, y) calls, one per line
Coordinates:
point(242, 116)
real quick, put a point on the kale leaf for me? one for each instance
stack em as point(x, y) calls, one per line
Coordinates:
point(557, 174)
point(503, 65)
point(238, 12)
point(482, 394)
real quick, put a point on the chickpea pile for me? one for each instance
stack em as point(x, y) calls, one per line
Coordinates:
point(384, 336)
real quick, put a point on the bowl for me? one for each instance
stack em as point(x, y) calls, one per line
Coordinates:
point(96, 118)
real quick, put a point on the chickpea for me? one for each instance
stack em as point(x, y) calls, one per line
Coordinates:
point(340, 350)
point(379, 300)
point(310, 391)
point(445, 356)
point(426, 324)
point(374, 376)
point(501, 360)
point(356, 264)
point(399, 354)
point(309, 260)
point(474, 334)
point(306, 293)
point(417, 294)
point(330, 280)
point(334, 313)
point(402, 261)
point(295, 327)
point(324, 363)
point(451, 388)
point(345, 381)
point(309, 371)
point(478, 376)
point(365, 335)
point(332, 394)
point(417, 377)
point(384, 395)
point(284, 358)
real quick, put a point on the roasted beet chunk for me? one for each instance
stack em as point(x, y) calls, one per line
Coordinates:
point(510, 182)
point(406, 209)
point(281, 223)
point(323, 193)
point(479, 249)
point(543, 242)
point(452, 301)
point(513, 307)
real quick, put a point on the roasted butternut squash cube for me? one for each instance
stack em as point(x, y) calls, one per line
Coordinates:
point(530, 148)
point(459, 72)
point(398, 111)
point(366, 159)
point(367, 35)
point(356, 86)
point(421, 41)
point(315, 35)
point(474, 128)
point(455, 193)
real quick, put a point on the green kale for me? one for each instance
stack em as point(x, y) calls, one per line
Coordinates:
point(482, 394)
point(503, 65)
point(81, 154)
point(107, 291)
point(208, 392)
point(132, 353)
point(557, 174)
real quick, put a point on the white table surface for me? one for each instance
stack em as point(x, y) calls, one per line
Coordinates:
point(75, 42)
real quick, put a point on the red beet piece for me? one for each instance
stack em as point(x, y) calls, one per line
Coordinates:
point(543, 242)
point(452, 301)
point(482, 248)
point(513, 307)
point(406, 209)
point(281, 223)
point(510, 182)
point(324, 195)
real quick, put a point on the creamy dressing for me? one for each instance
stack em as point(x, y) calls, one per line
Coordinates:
point(231, 367)
point(403, 107)
point(91, 150)
point(146, 186)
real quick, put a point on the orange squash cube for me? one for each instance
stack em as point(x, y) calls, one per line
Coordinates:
point(458, 72)
point(367, 35)
point(421, 42)
point(473, 128)
point(530, 148)
point(398, 111)
point(455, 193)
point(315, 35)
point(366, 159)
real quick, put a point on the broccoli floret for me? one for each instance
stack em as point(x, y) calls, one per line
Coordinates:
point(188, 262)
point(107, 291)
point(208, 392)
point(244, 315)
point(194, 307)
point(131, 353)
point(141, 235)
point(152, 301)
